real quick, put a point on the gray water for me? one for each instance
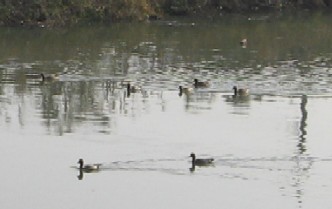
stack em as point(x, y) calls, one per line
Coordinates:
point(271, 149)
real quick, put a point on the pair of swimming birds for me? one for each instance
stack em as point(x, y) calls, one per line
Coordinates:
point(205, 84)
point(195, 162)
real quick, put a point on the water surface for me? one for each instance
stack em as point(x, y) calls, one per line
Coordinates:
point(271, 149)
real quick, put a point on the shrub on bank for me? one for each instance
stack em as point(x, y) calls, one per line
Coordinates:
point(64, 12)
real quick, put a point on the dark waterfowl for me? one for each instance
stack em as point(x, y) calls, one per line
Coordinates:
point(240, 92)
point(201, 84)
point(88, 167)
point(50, 77)
point(200, 162)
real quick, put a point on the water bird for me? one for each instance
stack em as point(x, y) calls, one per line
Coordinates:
point(50, 77)
point(200, 84)
point(240, 92)
point(200, 162)
point(185, 90)
point(88, 167)
point(244, 43)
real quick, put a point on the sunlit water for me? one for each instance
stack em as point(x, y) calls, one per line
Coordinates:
point(271, 149)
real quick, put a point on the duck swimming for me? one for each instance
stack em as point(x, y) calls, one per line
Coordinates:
point(88, 167)
point(200, 84)
point(200, 162)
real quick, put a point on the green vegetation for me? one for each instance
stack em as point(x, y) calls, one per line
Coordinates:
point(66, 12)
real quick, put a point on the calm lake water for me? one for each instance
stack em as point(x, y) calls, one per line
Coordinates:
point(271, 149)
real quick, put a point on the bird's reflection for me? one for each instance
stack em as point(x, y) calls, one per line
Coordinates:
point(80, 175)
point(198, 101)
point(185, 91)
point(192, 168)
point(237, 99)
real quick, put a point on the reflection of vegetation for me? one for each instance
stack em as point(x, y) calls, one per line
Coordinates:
point(63, 12)
point(66, 104)
point(303, 125)
point(91, 104)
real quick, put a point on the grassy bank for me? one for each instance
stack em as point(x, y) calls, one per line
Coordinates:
point(67, 12)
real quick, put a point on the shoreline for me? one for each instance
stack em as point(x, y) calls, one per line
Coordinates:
point(49, 14)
